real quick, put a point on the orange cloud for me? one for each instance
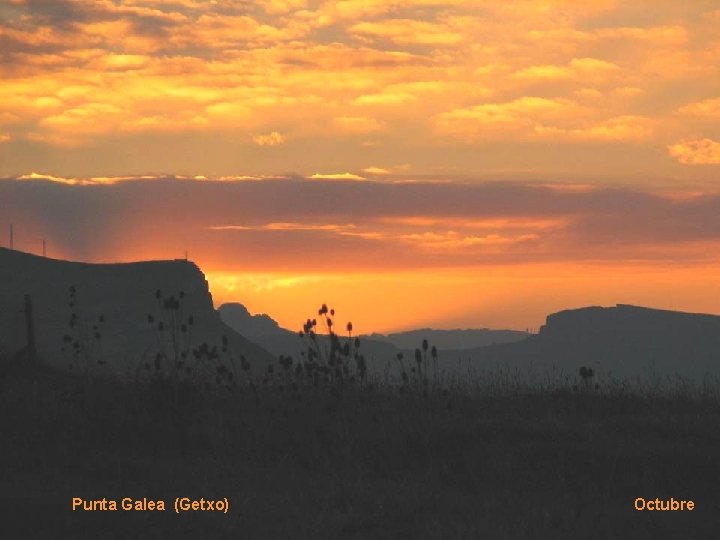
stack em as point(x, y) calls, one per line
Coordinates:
point(696, 152)
point(667, 35)
point(357, 124)
point(271, 139)
point(499, 224)
point(622, 128)
point(282, 226)
point(100, 76)
point(385, 98)
point(709, 108)
point(336, 176)
point(377, 171)
point(522, 117)
point(408, 31)
point(585, 69)
point(452, 240)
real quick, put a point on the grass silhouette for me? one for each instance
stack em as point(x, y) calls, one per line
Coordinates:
point(318, 448)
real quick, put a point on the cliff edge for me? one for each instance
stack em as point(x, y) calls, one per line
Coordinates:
point(107, 308)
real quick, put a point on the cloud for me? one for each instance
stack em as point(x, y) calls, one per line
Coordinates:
point(89, 82)
point(283, 6)
point(283, 226)
point(336, 176)
point(125, 62)
point(409, 31)
point(385, 98)
point(709, 108)
point(696, 152)
point(628, 91)
point(508, 111)
point(377, 171)
point(278, 223)
point(394, 170)
point(357, 124)
point(497, 224)
point(666, 35)
point(111, 180)
point(271, 139)
point(533, 117)
point(453, 241)
point(622, 128)
point(585, 69)
point(527, 116)
point(260, 282)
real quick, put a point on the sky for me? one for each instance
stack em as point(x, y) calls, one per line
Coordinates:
point(411, 162)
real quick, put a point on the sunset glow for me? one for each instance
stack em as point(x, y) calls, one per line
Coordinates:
point(411, 162)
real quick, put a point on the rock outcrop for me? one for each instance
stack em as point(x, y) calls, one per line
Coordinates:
point(112, 306)
point(237, 317)
point(267, 333)
point(629, 339)
point(622, 341)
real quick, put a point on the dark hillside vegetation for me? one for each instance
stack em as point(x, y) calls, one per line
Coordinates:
point(356, 460)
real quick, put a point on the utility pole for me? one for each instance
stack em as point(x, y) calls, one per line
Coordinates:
point(12, 240)
point(44, 248)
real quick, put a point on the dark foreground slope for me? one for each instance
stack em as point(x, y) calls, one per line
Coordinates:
point(372, 463)
point(622, 341)
point(107, 319)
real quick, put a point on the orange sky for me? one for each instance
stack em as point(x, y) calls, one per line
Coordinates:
point(413, 162)
point(391, 254)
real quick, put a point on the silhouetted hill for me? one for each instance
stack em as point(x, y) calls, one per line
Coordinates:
point(379, 349)
point(267, 333)
point(123, 295)
point(622, 341)
point(450, 339)
point(237, 316)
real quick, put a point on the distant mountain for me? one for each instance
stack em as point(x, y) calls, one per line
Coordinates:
point(621, 341)
point(237, 317)
point(450, 339)
point(263, 329)
point(267, 333)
